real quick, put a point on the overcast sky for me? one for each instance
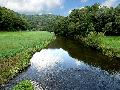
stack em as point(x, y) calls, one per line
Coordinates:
point(59, 7)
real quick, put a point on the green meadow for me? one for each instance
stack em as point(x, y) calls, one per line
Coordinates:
point(112, 44)
point(108, 45)
point(16, 49)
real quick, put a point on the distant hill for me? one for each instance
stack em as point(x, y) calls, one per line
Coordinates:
point(41, 22)
point(12, 21)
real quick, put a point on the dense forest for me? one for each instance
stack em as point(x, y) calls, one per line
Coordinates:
point(90, 18)
point(43, 22)
point(11, 21)
point(79, 22)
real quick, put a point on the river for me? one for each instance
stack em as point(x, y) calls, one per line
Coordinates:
point(67, 65)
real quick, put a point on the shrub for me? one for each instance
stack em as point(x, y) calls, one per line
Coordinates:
point(93, 39)
point(24, 85)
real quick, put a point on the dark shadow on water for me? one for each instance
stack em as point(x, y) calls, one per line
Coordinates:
point(86, 54)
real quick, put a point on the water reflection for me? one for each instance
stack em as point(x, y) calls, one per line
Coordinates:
point(86, 54)
point(55, 69)
point(55, 59)
point(68, 65)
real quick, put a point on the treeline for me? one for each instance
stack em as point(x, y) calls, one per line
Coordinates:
point(90, 18)
point(43, 22)
point(11, 21)
point(79, 22)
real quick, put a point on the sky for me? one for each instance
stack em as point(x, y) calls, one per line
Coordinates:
point(57, 7)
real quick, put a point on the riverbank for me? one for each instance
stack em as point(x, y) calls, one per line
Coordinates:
point(16, 49)
point(24, 85)
point(108, 45)
point(64, 60)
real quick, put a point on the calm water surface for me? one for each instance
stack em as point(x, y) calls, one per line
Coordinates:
point(68, 65)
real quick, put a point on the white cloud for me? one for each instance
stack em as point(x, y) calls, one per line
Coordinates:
point(81, 7)
point(49, 13)
point(110, 3)
point(69, 11)
point(2, 2)
point(31, 6)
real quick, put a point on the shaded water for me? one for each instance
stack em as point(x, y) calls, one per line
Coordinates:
point(68, 65)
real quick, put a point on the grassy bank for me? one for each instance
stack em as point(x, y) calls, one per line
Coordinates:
point(108, 45)
point(24, 85)
point(16, 49)
point(112, 45)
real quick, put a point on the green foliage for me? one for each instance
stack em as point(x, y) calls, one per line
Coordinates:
point(16, 49)
point(41, 22)
point(93, 39)
point(111, 45)
point(108, 45)
point(24, 85)
point(11, 21)
point(62, 23)
point(81, 22)
point(15, 42)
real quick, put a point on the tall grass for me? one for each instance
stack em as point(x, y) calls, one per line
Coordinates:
point(16, 49)
point(108, 45)
point(24, 85)
point(111, 45)
point(15, 42)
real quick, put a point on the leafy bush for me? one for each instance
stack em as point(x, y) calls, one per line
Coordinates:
point(90, 18)
point(11, 21)
point(93, 39)
point(107, 45)
point(24, 85)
